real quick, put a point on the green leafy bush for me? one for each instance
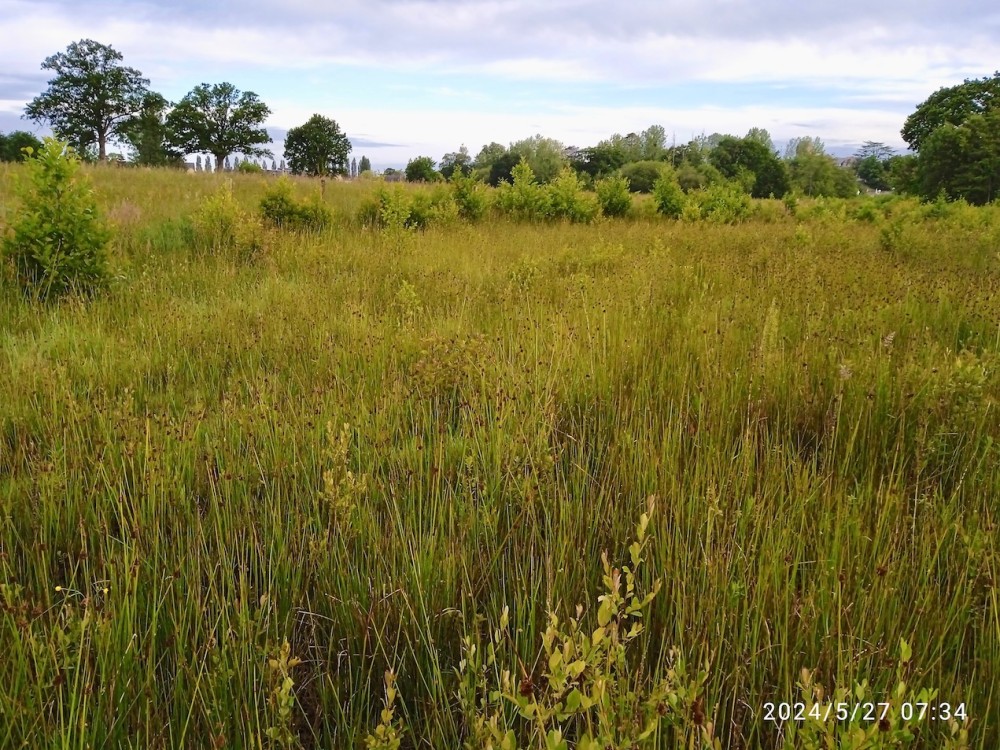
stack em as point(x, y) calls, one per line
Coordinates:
point(472, 197)
point(57, 240)
point(386, 209)
point(568, 200)
point(668, 196)
point(614, 196)
point(436, 207)
point(249, 167)
point(723, 203)
point(642, 175)
point(589, 691)
point(221, 226)
point(523, 199)
point(280, 208)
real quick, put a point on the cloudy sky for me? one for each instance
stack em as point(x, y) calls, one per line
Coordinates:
point(422, 77)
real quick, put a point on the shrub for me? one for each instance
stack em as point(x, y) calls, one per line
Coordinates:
point(867, 211)
point(568, 200)
point(386, 209)
point(524, 199)
point(642, 175)
point(223, 227)
point(249, 167)
point(723, 203)
point(282, 210)
point(668, 196)
point(443, 208)
point(471, 196)
point(421, 169)
point(589, 688)
point(613, 195)
point(58, 240)
point(421, 205)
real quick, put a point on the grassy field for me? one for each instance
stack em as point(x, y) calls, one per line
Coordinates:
point(368, 444)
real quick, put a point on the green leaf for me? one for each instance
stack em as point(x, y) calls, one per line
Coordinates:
point(904, 651)
point(604, 613)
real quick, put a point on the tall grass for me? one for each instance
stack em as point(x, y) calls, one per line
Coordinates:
point(369, 444)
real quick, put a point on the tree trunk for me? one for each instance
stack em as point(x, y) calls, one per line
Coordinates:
point(220, 162)
point(102, 146)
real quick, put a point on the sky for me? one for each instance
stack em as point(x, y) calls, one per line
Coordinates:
point(406, 78)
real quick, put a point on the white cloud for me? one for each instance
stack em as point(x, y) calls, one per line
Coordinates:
point(884, 57)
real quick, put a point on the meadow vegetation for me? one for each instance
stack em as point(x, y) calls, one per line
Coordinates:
point(452, 466)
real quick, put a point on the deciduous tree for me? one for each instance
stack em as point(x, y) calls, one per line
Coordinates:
point(768, 175)
point(220, 120)
point(91, 97)
point(421, 169)
point(12, 145)
point(459, 161)
point(318, 147)
point(952, 105)
point(147, 135)
point(962, 161)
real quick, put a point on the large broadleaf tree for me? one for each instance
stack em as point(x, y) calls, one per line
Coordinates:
point(90, 98)
point(220, 120)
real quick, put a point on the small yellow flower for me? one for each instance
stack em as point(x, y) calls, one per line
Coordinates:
point(58, 588)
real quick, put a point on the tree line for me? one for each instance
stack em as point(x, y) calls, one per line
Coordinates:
point(954, 137)
point(94, 98)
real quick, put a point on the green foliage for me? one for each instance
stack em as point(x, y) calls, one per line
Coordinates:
point(459, 162)
point(13, 144)
point(92, 96)
point(281, 699)
point(588, 693)
point(897, 719)
point(56, 239)
point(761, 136)
point(219, 119)
point(493, 164)
point(816, 174)
point(524, 199)
point(568, 200)
point(668, 196)
point(601, 160)
point(766, 174)
point(387, 208)
point(146, 133)
point(471, 195)
point(317, 148)
point(951, 105)
point(437, 207)
point(172, 503)
point(543, 155)
point(722, 203)
point(962, 161)
point(364, 165)
point(804, 146)
point(697, 176)
point(397, 208)
point(873, 173)
point(614, 196)
point(280, 209)
point(387, 735)
point(421, 169)
point(249, 167)
point(642, 175)
point(223, 227)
